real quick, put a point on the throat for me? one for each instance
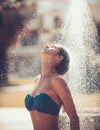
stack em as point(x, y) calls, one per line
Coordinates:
point(49, 74)
point(48, 71)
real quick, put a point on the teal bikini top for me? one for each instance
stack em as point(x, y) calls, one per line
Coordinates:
point(42, 103)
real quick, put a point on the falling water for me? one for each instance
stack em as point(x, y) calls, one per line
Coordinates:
point(79, 38)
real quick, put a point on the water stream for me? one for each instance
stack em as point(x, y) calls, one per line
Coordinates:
point(79, 37)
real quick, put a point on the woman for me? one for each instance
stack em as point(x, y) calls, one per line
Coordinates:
point(51, 92)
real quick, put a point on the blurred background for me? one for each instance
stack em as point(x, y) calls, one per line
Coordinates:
point(25, 27)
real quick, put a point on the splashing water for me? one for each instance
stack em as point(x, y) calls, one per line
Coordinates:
point(79, 37)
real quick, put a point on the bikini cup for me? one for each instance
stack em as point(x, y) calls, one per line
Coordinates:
point(42, 103)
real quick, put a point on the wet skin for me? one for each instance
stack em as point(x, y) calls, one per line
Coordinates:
point(52, 84)
point(42, 121)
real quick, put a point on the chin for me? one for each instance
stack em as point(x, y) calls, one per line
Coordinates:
point(42, 53)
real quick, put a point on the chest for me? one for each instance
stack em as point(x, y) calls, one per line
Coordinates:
point(45, 86)
point(42, 86)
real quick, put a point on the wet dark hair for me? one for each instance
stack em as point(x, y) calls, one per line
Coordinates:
point(63, 66)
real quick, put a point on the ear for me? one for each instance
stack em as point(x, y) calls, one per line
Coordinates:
point(59, 58)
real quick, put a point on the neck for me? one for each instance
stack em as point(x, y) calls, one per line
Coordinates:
point(47, 71)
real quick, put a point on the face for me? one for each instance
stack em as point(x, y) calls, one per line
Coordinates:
point(52, 50)
point(50, 53)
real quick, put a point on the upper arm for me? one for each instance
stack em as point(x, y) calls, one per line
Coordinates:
point(63, 92)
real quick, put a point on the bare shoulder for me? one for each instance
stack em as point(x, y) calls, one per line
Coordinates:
point(62, 90)
point(59, 84)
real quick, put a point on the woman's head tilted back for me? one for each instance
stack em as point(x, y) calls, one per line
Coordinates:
point(63, 66)
point(56, 56)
